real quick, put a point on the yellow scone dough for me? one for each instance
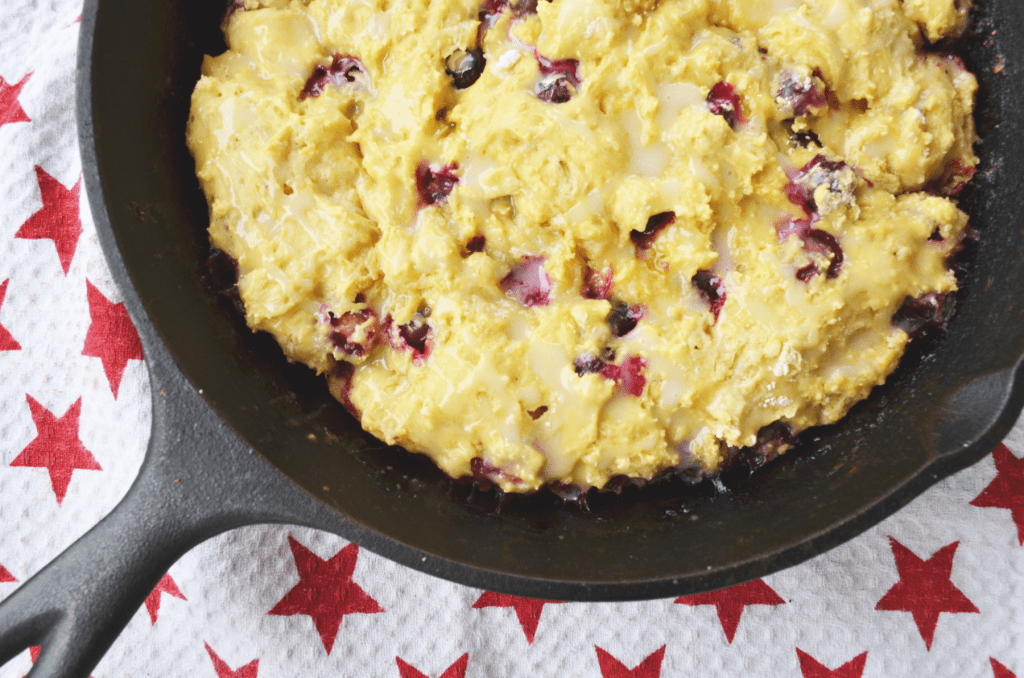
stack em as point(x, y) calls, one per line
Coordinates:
point(645, 232)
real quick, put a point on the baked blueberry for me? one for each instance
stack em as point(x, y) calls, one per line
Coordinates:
point(596, 284)
point(345, 331)
point(711, 289)
point(815, 241)
point(344, 70)
point(925, 312)
point(623, 318)
point(724, 101)
point(797, 95)
point(434, 186)
point(560, 80)
point(465, 66)
point(643, 240)
point(823, 185)
point(528, 283)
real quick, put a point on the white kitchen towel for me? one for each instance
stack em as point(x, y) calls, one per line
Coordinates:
point(936, 590)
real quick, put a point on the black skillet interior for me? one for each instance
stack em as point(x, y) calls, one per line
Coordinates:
point(949, 403)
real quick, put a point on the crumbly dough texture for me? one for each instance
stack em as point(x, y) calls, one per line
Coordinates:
point(648, 230)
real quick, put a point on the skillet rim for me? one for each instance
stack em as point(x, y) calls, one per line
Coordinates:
point(470, 574)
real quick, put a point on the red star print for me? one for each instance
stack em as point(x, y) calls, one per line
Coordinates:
point(1006, 491)
point(10, 110)
point(7, 342)
point(6, 576)
point(57, 447)
point(729, 603)
point(527, 609)
point(325, 591)
point(1000, 671)
point(111, 338)
point(166, 585)
point(224, 671)
point(456, 670)
point(58, 219)
point(613, 668)
point(924, 588)
point(811, 668)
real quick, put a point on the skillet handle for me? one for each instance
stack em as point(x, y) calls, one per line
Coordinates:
point(198, 480)
point(77, 605)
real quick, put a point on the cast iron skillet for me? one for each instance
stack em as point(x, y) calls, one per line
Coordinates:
point(240, 436)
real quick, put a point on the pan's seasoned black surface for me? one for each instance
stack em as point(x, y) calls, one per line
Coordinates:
point(266, 443)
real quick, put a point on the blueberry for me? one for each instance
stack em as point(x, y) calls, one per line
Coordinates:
point(814, 240)
point(643, 240)
point(711, 289)
point(415, 335)
point(724, 101)
point(628, 376)
point(805, 139)
point(920, 314)
point(798, 96)
point(958, 174)
point(344, 71)
point(825, 243)
point(465, 66)
point(342, 329)
point(623, 318)
point(528, 283)
point(596, 284)
point(487, 472)
point(556, 91)
point(836, 175)
point(434, 187)
point(631, 378)
point(343, 372)
point(772, 440)
point(560, 79)
point(588, 364)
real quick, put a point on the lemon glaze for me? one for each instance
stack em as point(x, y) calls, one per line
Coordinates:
point(572, 240)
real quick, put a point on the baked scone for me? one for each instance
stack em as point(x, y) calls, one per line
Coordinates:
point(560, 242)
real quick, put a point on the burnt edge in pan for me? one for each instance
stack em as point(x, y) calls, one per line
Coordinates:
point(924, 320)
point(545, 582)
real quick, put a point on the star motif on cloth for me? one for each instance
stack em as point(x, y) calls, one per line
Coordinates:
point(7, 342)
point(1006, 491)
point(613, 668)
point(456, 670)
point(58, 219)
point(325, 591)
point(5, 575)
point(924, 588)
point(730, 602)
point(527, 609)
point(10, 110)
point(812, 668)
point(165, 585)
point(1000, 671)
point(57, 447)
point(250, 670)
point(111, 338)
